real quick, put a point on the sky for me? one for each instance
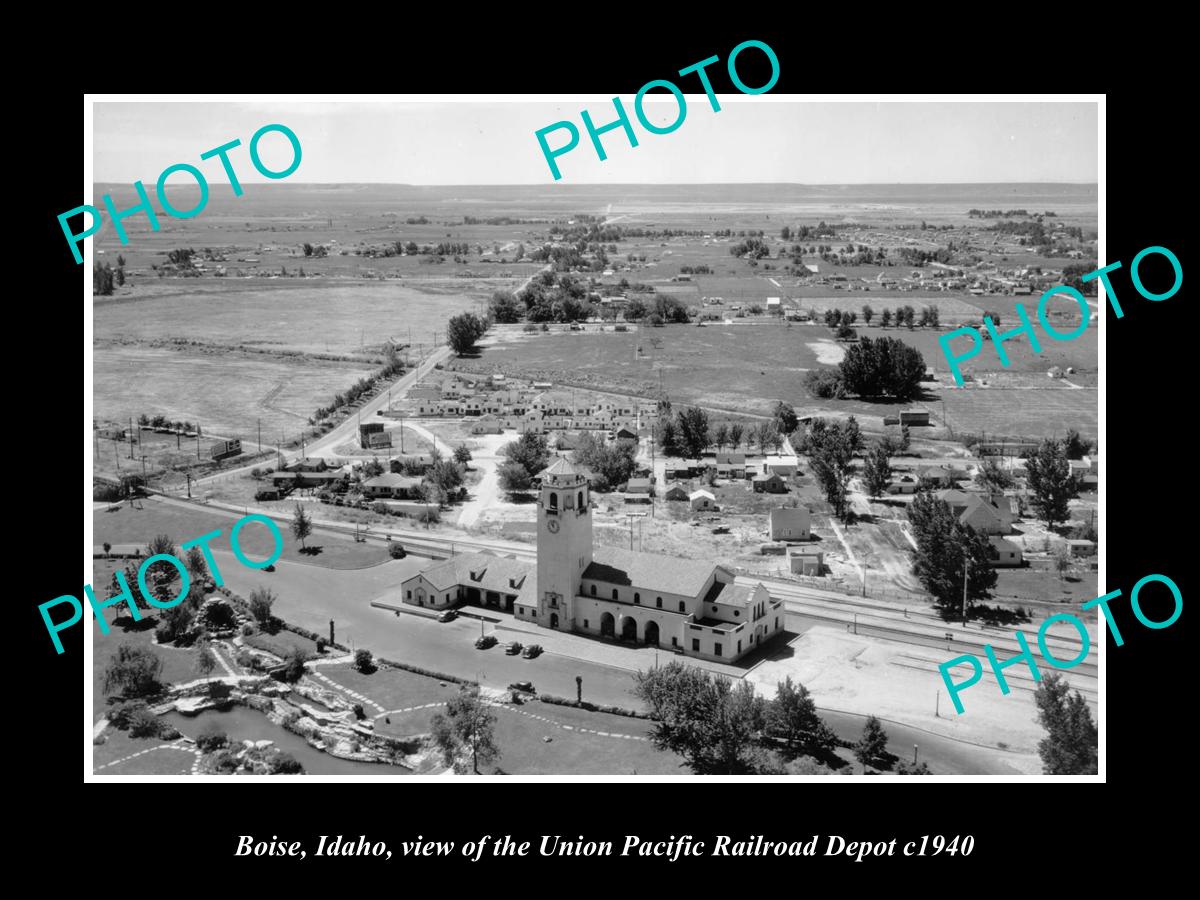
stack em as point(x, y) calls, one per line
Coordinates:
point(756, 139)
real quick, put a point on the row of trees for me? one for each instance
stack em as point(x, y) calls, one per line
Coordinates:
point(611, 463)
point(723, 728)
point(690, 433)
point(947, 552)
point(104, 277)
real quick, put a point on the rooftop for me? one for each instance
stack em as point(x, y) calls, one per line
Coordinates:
point(648, 571)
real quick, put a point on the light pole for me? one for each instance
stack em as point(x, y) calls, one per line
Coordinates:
point(915, 748)
point(964, 609)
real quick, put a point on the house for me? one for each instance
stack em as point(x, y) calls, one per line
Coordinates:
point(702, 500)
point(307, 464)
point(391, 486)
point(791, 524)
point(271, 492)
point(781, 465)
point(989, 513)
point(905, 483)
point(774, 306)
point(940, 476)
point(487, 424)
point(625, 434)
point(638, 486)
point(806, 561)
point(1004, 553)
point(677, 492)
point(421, 462)
point(769, 484)
point(914, 417)
point(1081, 547)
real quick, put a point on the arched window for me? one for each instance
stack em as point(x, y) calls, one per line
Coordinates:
point(614, 593)
point(593, 590)
point(581, 499)
point(553, 500)
point(637, 598)
point(682, 605)
point(660, 602)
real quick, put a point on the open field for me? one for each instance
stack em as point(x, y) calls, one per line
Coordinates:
point(1032, 411)
point(226, 393)
point(288, 316)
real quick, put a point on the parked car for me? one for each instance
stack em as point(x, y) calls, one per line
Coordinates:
point(531, 651)
point(448, 615)
point(526, 686)
point(513, 648)
point(485, 641)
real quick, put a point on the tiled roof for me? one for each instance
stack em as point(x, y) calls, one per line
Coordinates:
point(648, 571)
point(496, 573)
point(561, 466)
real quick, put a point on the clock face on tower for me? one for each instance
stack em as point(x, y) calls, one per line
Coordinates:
point(552, 525)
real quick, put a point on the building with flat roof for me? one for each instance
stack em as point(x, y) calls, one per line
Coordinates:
point(690, 606)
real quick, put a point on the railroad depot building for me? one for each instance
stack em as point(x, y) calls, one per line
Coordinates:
point(686, 605)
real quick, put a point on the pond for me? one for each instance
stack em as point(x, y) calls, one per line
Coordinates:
point(244, 724)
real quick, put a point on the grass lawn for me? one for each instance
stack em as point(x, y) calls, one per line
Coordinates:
point(118, 745)
point(1019, 585)
point(134, 525)
point(524, 752)
point(391, 688)
point(281, 642)
point(1028, 412)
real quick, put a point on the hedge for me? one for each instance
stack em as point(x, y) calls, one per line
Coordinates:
point(441, 676)
point(594, 707)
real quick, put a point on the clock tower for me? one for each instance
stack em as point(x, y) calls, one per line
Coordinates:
point(564, 543)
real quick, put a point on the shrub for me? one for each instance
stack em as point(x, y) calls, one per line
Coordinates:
point(119, 714)
point(396, 551)
point(247, 629)
point(321, 645)
point(225, 762)
point(359, 712)
point(364, 661)
point(285, 764)
point(825, 384)
point(212, 738)
point(143, 723)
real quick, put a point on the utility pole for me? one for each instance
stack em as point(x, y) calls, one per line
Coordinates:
point(131, 436)
point(259, 435)
point(964, 611)
point(197, 440)
point(143, 467)
point(117, 457)
point(188, 475)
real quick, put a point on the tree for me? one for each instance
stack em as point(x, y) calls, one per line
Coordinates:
point(736, 430)
point(830, 450)
point(991, 477)
point(825, 384)
point(1075, 446)
point(668, 436)
point(530, 451)
point(463, 330)
point(612, 463)
point(134, 672)
point(514, 479)
point(872, 746)
point(1070, 746)
point(261, 602)
point(120, 276)
point(161, 544)
point(462, 455)
point(885, 318)
point(877, 471)
point(301, 524)
point(1048, 474)
point(506, 308)
point(786, 420)
point(692, 426)
point(195, 563)
point(293, 665)
point(909, 315)
point(102, 279)
point(364, 661)
point(721, 436)
point(371, 468)
point(883, 367)
point(792, 717)
point(446, 477)
point(468, 725)
point(905, 438)
point(1062, 560)
point(945, 546)
point(868, 313)
point(702, 717)
point(206, 660)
